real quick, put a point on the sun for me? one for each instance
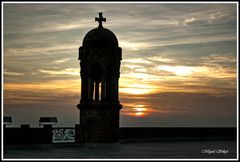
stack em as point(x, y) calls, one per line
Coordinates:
point(140, 110)
point(134, 110)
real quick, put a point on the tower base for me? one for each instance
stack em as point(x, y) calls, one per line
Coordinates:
point(99, 122)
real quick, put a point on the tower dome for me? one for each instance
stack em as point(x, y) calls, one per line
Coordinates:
point(100, 38)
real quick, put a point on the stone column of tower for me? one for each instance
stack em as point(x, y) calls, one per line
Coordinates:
point(100, 58)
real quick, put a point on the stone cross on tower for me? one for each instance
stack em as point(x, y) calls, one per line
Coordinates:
point(100, 20)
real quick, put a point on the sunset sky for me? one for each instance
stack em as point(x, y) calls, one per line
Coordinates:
point(179, 64)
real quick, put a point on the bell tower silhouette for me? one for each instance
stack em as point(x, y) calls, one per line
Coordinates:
point(100, 59)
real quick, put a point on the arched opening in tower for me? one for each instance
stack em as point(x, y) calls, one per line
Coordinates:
point(96, 82)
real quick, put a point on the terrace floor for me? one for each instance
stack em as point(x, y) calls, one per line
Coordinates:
point(211, 149)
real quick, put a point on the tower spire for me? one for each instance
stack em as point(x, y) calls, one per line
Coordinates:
point(100, 19)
